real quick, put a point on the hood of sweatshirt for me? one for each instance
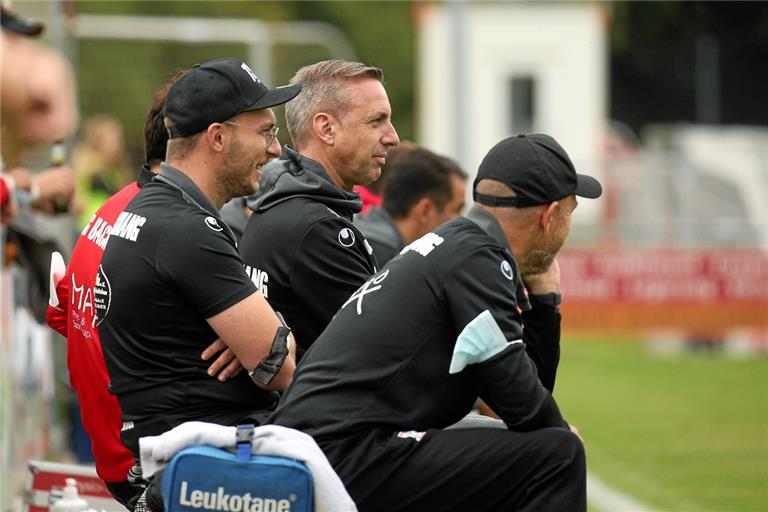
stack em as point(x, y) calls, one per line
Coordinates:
point(294, 175)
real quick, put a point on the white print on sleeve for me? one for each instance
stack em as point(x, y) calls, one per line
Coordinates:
point(366, 289)
point(346, 237)
point(506, 269)
point(213, 224)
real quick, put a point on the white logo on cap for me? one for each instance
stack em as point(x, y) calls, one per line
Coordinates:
point(346, 237)
point(506, 269)
point(250, 72)
point(213, 224)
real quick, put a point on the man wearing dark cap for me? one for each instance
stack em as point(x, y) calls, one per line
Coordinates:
point(171, 280)
point(412, 349)
point(70, 313)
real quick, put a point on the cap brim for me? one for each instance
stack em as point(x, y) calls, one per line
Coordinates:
point(276, 96)
point(587, 186)
point(18, 25)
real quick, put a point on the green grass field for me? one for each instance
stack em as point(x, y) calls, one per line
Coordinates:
point(685, 432)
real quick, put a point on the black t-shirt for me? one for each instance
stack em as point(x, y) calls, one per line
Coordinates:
point(383, 361)
point(170, 264)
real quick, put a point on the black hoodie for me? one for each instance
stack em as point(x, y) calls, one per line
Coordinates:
point(300, 246)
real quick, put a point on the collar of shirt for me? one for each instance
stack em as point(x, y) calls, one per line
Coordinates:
point(186, 185)
point(145, 176)
point(304, 162)
point(488, 223)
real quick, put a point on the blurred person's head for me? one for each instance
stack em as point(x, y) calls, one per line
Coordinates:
point(423, 190)
point(343, 120)
point(221, 126)
point(103, 135)
point(155, 132)
point(529, 185)
point(37, 91)
point(17, 25)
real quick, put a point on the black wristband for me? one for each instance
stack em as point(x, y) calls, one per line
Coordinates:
point(550, 299)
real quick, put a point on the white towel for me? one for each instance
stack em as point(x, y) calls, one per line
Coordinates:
point(58, 270)
point(330, 494)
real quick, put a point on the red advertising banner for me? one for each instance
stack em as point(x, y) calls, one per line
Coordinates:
point(690, 289)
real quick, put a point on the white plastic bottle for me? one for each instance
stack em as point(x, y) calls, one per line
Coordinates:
point(70, 501)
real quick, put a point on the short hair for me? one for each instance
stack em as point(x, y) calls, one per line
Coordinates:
point(414, 172)
point(322, 90)
point(155, 132)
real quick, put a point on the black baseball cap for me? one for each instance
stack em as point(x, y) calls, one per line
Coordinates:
point(12, 22)
point(216, 91)
point(537, 168)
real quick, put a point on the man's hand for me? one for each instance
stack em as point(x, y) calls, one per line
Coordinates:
point(546, 282)
point(226, 360)
point(54, 184)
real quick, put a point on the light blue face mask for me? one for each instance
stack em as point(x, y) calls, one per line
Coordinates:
point(480, 340)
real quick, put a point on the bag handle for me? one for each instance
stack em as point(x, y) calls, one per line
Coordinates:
point(244, 438)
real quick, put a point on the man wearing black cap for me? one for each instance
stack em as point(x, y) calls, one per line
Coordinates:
point(171, 280)
point(300, 244)
point(412, 349)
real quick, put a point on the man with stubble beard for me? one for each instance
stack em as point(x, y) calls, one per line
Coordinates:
point(171, 280)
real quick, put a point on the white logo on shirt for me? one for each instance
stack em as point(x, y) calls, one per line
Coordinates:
point(260, 278)
point(97, 231)
point(365, 290)
point(127, 226)
point(212, 223)
point(102, 296)
point(506, 269)
point(411, 434)
point(346, 237)
point(424, 245)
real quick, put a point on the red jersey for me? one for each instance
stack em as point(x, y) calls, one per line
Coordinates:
point(369, 198)
point(5, 192)
point(75, 318)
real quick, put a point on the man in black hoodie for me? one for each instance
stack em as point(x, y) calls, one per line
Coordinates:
point(300, 246)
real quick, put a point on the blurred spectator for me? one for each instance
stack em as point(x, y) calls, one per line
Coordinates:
point(422, 191)
point(100, 163)
point(38, 108)
point(38, 93)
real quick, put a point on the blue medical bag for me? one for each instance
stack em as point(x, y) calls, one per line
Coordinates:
point(208, 478)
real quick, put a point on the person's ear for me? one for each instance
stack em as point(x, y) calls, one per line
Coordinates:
point(215, 136)
point(423, 210)
point(547, 216)
point(324, 126)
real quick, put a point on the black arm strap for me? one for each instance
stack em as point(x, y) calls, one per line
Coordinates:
point(270, 366)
